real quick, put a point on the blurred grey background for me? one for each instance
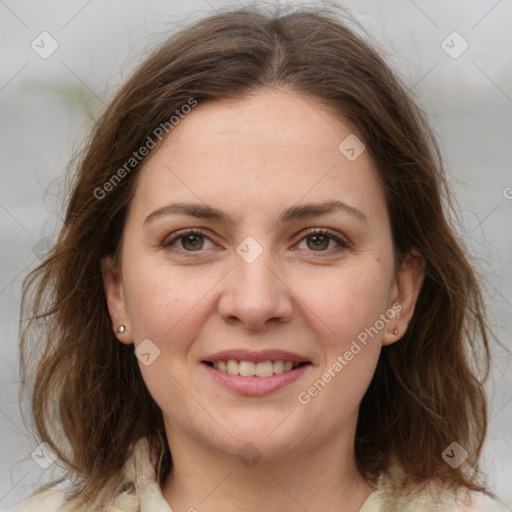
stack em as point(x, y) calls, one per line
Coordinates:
point(61, 62)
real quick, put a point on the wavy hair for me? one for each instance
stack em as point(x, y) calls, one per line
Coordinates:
point(89, 401)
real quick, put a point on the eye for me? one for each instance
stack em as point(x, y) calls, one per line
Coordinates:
point(191, 240)
point(318, 240)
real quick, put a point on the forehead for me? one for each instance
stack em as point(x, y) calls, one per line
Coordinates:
point(258, 155)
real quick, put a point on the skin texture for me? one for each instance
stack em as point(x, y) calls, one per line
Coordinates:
point(253, 158)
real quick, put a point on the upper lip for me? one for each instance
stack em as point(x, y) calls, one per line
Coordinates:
point(256, 356)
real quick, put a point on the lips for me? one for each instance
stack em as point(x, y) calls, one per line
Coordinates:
point(252, 369)
point(256, 356)
point(255, 372)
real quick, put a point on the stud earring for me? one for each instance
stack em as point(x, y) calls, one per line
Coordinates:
point(121, 329)
point(393, 331)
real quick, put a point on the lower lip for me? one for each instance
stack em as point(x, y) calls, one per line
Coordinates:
point(256, 385)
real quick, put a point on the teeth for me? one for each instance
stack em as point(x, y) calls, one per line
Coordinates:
point(233, 367)
point(252, 369)
point(246, 368)
point(278, 367)
point(264, 369)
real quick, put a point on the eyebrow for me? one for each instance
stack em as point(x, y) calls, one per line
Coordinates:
point(303, 211)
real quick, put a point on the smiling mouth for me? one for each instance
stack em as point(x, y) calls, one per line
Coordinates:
point(255, 369)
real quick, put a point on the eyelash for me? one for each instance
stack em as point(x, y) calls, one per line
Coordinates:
point(310, 232)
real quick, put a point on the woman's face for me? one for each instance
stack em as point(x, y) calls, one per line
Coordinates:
point(254, 285)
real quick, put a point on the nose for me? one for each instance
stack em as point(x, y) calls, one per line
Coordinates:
point(255, 294)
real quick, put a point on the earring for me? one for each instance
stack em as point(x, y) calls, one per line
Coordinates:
point(393, 331)
point(121, 329)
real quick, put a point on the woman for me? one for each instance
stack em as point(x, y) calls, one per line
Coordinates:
point(256, 299)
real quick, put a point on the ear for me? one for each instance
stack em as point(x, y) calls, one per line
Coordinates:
point(114, 294)
point(404, 294)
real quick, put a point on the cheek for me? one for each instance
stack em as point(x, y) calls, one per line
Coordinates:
point(350, 302)
point(345, 316)
point(160, 298)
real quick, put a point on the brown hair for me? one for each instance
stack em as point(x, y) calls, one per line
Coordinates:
point(425, 393)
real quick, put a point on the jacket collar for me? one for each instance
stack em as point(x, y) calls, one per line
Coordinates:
point(139, 476)
point(144, 493)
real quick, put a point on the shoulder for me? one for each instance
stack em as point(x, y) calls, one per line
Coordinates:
point(138, 488)
point(52, 500)
point(389, 496)
point(411, 500)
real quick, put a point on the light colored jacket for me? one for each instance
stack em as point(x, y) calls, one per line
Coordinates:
point(148, 496)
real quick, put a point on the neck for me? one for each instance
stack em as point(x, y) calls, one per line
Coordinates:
point(324, 478)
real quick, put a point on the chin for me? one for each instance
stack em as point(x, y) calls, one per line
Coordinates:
point(267, 435)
